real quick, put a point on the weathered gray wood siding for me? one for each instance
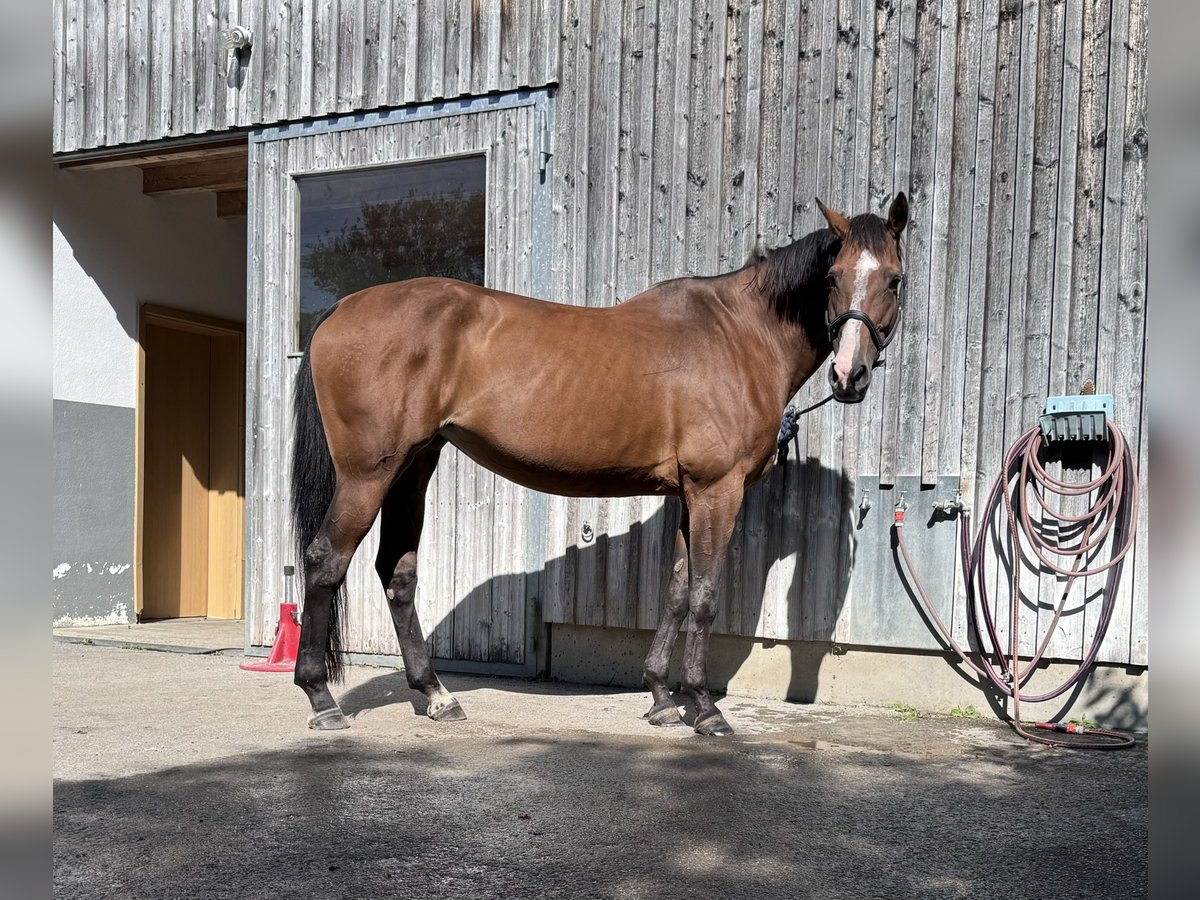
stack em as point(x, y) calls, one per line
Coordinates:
point(689, 132)
point(139, 70)
point(473, 565)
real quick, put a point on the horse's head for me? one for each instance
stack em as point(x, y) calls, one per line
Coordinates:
point(865, 284)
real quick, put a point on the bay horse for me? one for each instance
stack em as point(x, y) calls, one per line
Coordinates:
point(682, 396)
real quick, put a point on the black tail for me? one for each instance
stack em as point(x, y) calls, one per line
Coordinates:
point(313, 484)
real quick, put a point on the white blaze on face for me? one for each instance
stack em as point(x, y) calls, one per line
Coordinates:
point(851, 333)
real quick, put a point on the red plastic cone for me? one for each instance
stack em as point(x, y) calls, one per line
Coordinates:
point(287, 642)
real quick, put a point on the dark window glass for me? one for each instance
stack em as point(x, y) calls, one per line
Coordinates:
point(373, 226)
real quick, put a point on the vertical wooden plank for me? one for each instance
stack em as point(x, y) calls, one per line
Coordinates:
point(429, 30)
point(493, 29)
point(273, 44)
point(603, 156)
point(702, 205)
point(1113, 358)
point(975, 482)
point(116, 72)
point(883, 111)
point(342, 49)
point(575, 125)
point(159, 68)
point(655, 553)
point(396, 29)
point(621, 562)
point(964, 183)
point(673, 156)
point(1021, 177)
point(467, 35)
point(591, 571)
point(58, 79)
point(787, 80)
point(939, 242)
point(324, 76)
point(1129, 393)
point(183, 65)
point(412, 59)
point(506, 68)
point(208, 50)
point(1025, 404)
point(891, 438)
point(731, 171)
point(957, 428)
point(508, 574)
point(840, 457)
point(915, 337)
point(96, 75)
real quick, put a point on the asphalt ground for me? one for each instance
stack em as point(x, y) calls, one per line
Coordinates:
point(181, 776)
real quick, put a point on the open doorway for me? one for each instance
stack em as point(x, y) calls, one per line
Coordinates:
point(191, 435)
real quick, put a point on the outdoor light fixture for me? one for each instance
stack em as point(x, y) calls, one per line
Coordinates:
point(239, 37)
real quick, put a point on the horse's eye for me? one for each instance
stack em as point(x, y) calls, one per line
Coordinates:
point(832, 281)
point(896, 284)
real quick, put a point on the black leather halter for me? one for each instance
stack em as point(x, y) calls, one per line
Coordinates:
point(835, 326)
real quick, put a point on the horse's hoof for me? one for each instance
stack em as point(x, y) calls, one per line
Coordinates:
point(664, 715)
point(447, 712)
point(328, 720)
point(713, 725)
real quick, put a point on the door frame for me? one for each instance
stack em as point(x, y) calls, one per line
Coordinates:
point(181, 320)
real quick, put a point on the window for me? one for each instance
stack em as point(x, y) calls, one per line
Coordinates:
point(373, 226)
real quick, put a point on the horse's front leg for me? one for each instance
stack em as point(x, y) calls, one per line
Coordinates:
point(713, 511)
point(675, 607)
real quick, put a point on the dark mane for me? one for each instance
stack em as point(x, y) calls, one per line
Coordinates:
point(792, 279)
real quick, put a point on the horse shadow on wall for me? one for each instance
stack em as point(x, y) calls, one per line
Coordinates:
point(784, 588)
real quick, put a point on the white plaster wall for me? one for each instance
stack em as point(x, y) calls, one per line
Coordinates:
point(114, 249)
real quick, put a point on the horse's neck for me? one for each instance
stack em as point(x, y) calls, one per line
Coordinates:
point(797, 357)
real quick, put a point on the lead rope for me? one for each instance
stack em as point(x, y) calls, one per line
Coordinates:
point(789, 429)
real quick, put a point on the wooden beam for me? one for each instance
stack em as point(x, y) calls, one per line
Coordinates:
point(222, 174)
point(222, 150)
point(231, 203)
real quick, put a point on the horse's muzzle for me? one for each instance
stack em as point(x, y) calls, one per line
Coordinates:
point(856, 385)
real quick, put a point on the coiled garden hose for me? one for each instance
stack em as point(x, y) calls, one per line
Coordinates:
point(1114, 512)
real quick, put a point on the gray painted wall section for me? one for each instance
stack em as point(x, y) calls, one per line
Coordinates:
point(93, 514)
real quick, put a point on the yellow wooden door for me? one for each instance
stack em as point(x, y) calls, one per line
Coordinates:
point(192, 492)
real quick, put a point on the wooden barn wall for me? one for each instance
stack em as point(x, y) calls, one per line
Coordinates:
point(127, 71)
point(471, 590)
point(689, 132)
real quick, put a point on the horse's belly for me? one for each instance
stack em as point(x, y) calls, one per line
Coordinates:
point(572, 465)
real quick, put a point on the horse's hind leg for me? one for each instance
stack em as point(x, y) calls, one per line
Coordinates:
point(399, 536)
point(658, 660)
point(714, 510)
point(347, 521)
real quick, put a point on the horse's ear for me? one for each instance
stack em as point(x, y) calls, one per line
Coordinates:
point(839, 223)
point(898, 214)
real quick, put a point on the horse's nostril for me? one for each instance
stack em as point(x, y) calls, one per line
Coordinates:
point(861, 377)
